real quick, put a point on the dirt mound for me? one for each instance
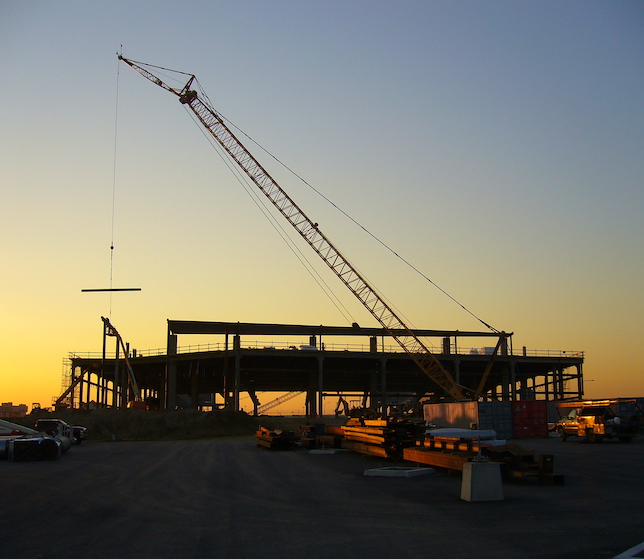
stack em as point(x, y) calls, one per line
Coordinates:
point(293, 423)
point(142, 425)
point(137, 425)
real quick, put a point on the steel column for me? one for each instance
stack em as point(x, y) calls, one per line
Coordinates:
point(170, 387)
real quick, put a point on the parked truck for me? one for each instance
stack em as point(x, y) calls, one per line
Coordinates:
point(596, 420)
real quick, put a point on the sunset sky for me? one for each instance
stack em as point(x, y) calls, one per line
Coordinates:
point(496, 146)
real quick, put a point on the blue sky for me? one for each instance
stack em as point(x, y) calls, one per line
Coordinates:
point(495, 145)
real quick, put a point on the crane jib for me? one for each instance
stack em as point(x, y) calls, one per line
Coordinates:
point(310, 232)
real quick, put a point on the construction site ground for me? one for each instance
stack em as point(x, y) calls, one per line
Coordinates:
point(225, 497)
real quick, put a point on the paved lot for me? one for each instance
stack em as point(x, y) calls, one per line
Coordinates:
point(227, 498)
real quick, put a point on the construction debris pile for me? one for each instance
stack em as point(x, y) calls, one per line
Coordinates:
point(411, 440)
point(110, 424)
point(275, 439)
point(307, 436)
point(452, 452)
point(381, 437)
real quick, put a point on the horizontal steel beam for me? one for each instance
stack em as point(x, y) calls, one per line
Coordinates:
point(202, 327)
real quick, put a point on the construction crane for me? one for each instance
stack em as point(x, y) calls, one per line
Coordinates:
point(277, 401)
point(310, 232)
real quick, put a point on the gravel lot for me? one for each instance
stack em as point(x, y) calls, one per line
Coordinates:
point(227, 498)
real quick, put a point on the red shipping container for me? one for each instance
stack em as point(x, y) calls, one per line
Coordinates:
point(530, 419)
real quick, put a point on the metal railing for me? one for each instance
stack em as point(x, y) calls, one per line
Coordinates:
point(348, 347)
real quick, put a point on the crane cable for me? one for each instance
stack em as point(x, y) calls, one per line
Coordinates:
point(387, 247)
point(277, 225)
point(116, 120)
point(285, 234)
point(259, 202)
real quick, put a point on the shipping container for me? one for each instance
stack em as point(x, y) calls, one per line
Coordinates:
point(530, 419)
point(460, 415)
point(472, 415)
point(497, 416)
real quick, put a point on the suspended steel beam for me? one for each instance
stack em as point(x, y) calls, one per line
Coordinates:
point(111, 289)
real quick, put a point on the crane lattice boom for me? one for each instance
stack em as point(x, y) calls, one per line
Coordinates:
point(310, 232)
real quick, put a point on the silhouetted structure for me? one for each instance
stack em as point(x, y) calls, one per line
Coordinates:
point(325, 362)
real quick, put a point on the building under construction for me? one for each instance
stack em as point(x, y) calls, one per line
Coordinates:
point(324, 363)
point(389, 365)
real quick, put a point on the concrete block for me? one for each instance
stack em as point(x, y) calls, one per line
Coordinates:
point(482, 482)
point(399, 471)
point(328, 450)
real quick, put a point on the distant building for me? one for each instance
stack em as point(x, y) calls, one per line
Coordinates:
point(9, 411)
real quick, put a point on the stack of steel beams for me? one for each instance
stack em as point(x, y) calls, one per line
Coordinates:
point(380, 437)
point(453, 452)
point(275, 439)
